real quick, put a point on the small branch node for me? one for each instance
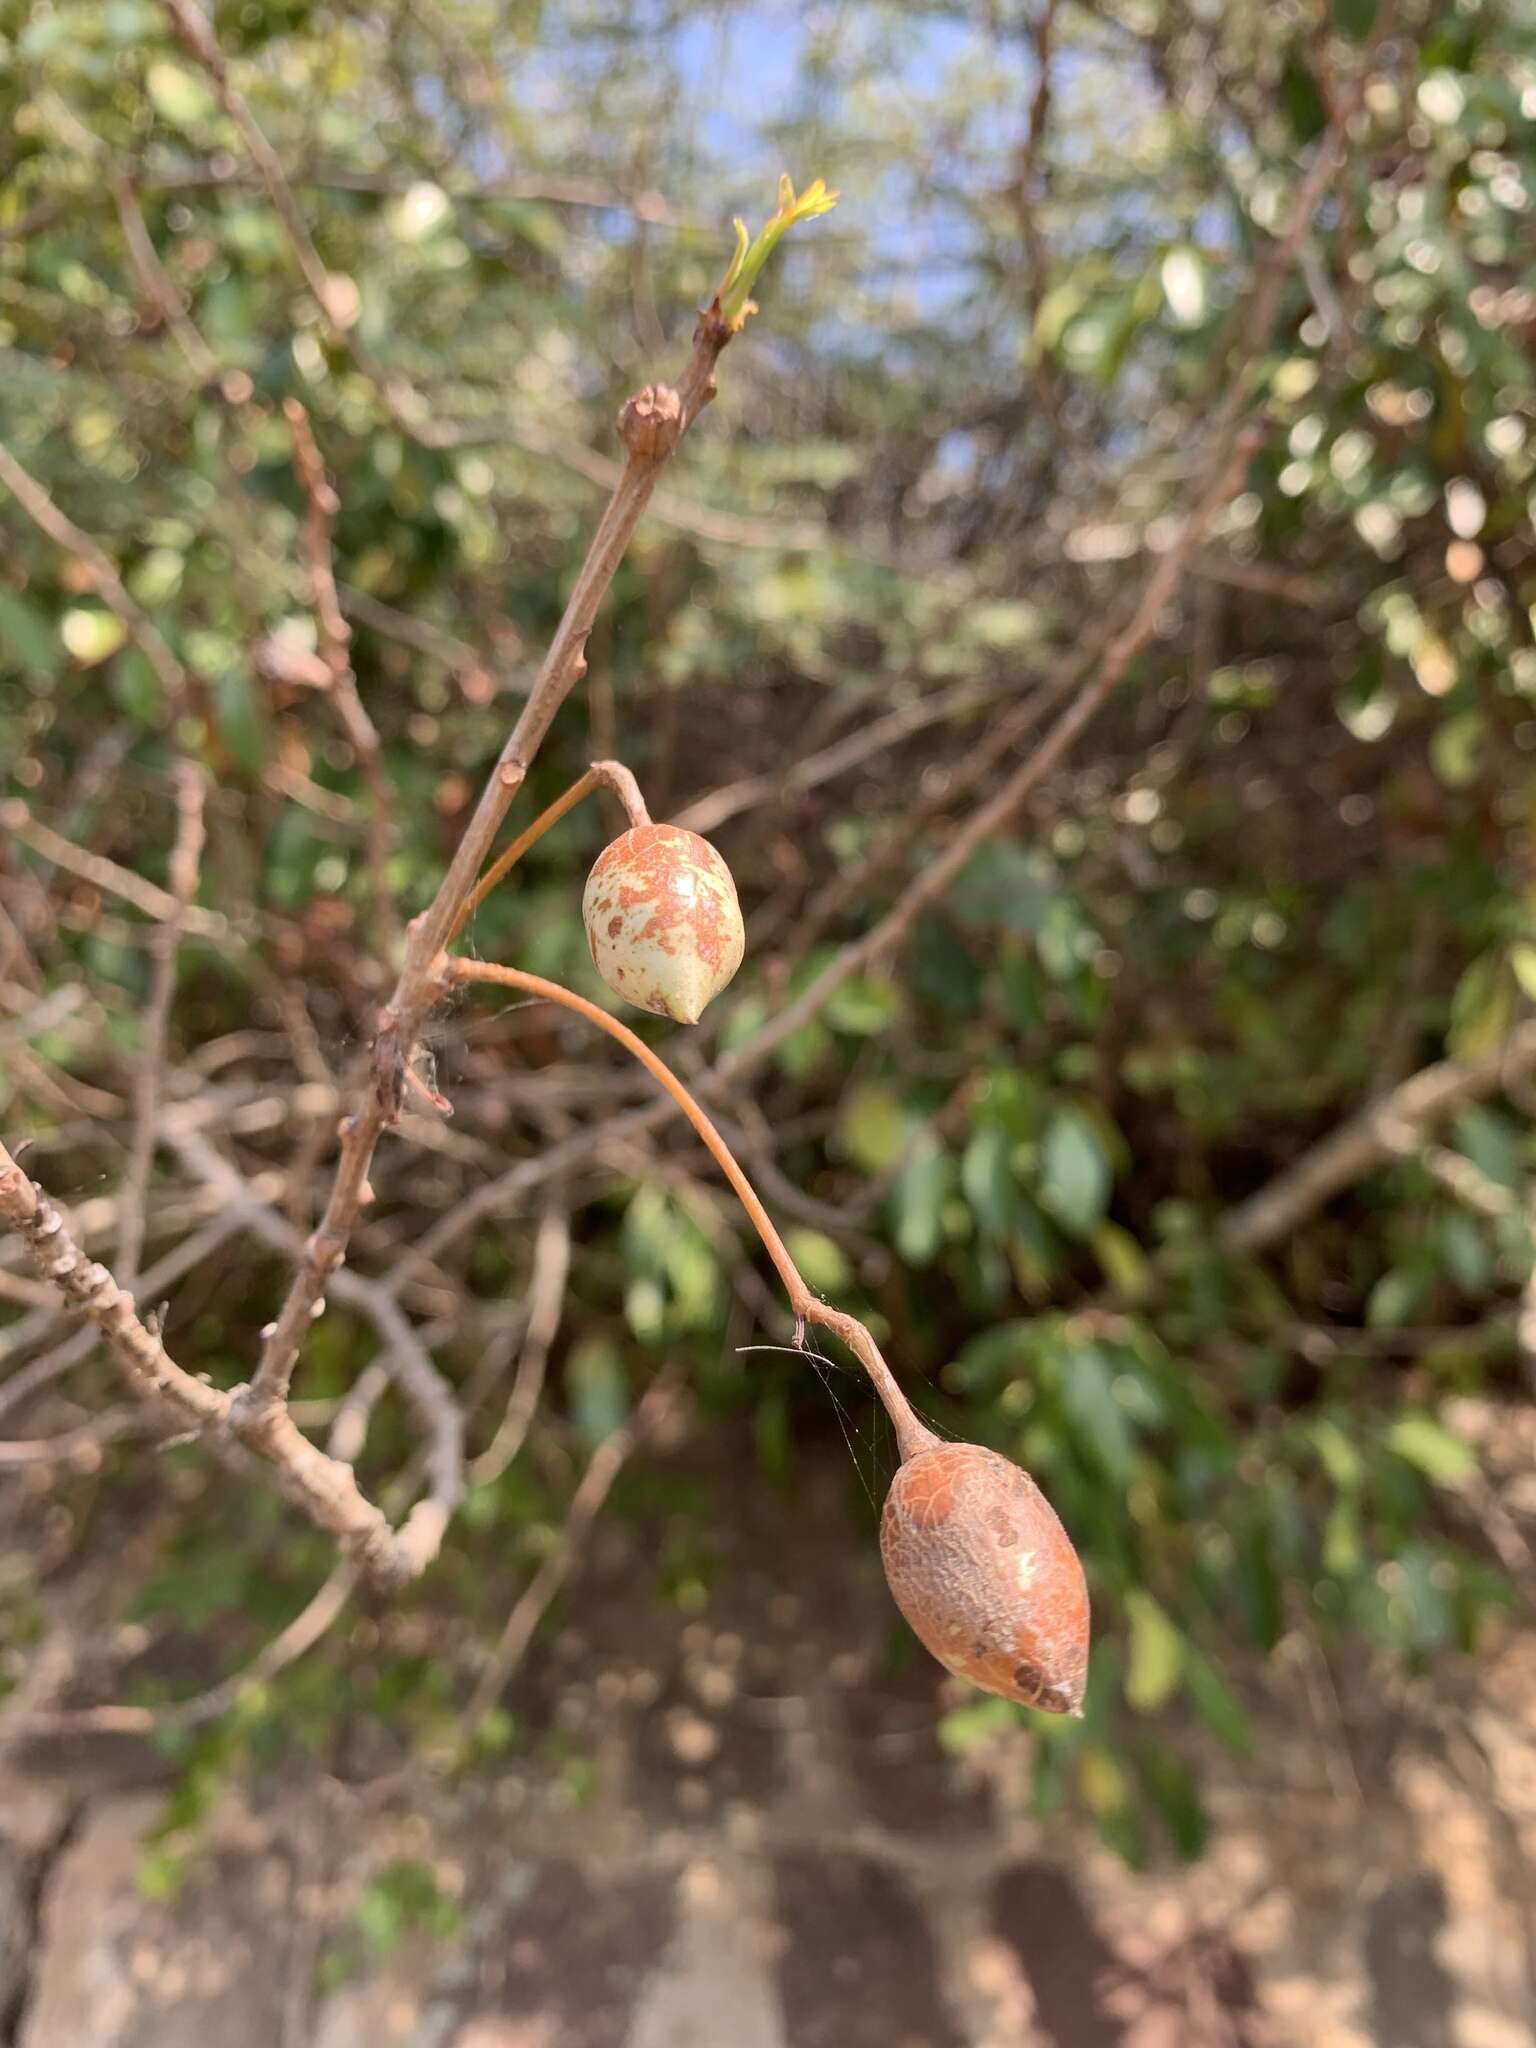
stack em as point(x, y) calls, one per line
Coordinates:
point(651, 422)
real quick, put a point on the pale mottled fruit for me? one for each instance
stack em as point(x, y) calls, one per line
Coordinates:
point(986, 1575)
point(663, 921)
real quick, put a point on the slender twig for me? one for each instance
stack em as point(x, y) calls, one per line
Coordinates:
point(186, 854)
point(474, 678)
point(851, 751)
point(334, 638)
point(326, 1490)
point(95, 868)
point(1029, 189)
point(29, 1293)
point(40, 1372)
point(302, 1633)
point(1468, 1183)
point(157, 284)
point(80, 1446)
point(1525, 1322)
point(650, 426)
point(103, 578)
point(604, 1466)
point(1386, 1129)
point(546, 1301)
point(575, 192)
point(911, 1435)
point(406, 1357)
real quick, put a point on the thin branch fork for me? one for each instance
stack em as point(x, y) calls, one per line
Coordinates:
point(593, 1488)
point(1384, 1130)
point(161, 904)
point(612, 775)
point(326, 1490)
point(650, 425)
point(1230, 443)
point(911, 1435)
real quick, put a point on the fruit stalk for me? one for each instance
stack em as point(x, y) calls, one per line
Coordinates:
point(975, 1556)
point(601, 775)
point(912, 1435)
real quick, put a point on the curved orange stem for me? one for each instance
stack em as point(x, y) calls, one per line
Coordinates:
point(609, 774)
point(911, 1435)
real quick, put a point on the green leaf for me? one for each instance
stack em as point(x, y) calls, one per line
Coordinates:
point(90, 635)
point(990, 1359)
point(1156, 1654)
point(1300, 98)
point(772, 1437)
point(986, 1178)
point(241, 719)
point(1002, 623)
point(1125, 1265)
point(179, 96)
point(1101, 1780)
point(1216, 1704)
point(1088, 1397)
point(1074, 1172)
point(1456, 749)
point(1341, 1461)
point(1489, 1141)
point(1258, 1583)
point(161, 1873)
point(597, 1389)
point(1464, 1247)
point(965, 1727)
point(26, 639)
point(1343, 1551)
point(820, 1259)
point(1172, 1788)
point(1483, 1005)
point(1393, 1300)
point(863, 1008)
point(1354, 19)
point(1429, 1445)
point(1522, 960)
point(750, 256)
point(918, 1198)
point(137, 688)
point(874, 1128)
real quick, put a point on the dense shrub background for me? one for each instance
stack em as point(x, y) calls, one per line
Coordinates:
point(1291, 864)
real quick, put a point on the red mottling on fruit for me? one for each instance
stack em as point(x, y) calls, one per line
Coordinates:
point(662, 919)
point(980, 1565)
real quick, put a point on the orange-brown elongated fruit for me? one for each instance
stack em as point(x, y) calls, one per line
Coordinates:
point(663, 923)
point(981, 1567)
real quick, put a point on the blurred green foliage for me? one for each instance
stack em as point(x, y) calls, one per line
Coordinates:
point(1292, 863)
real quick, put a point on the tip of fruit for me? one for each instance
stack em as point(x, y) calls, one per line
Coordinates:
point(684, 1013)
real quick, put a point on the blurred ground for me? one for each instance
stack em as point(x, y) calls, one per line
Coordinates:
point(757, 1841)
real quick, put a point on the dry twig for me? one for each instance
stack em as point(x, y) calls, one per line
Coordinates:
point(191, 789)
point(334, 638)
point(604, 1466)
point(103, 578)
point(1384, 1130)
